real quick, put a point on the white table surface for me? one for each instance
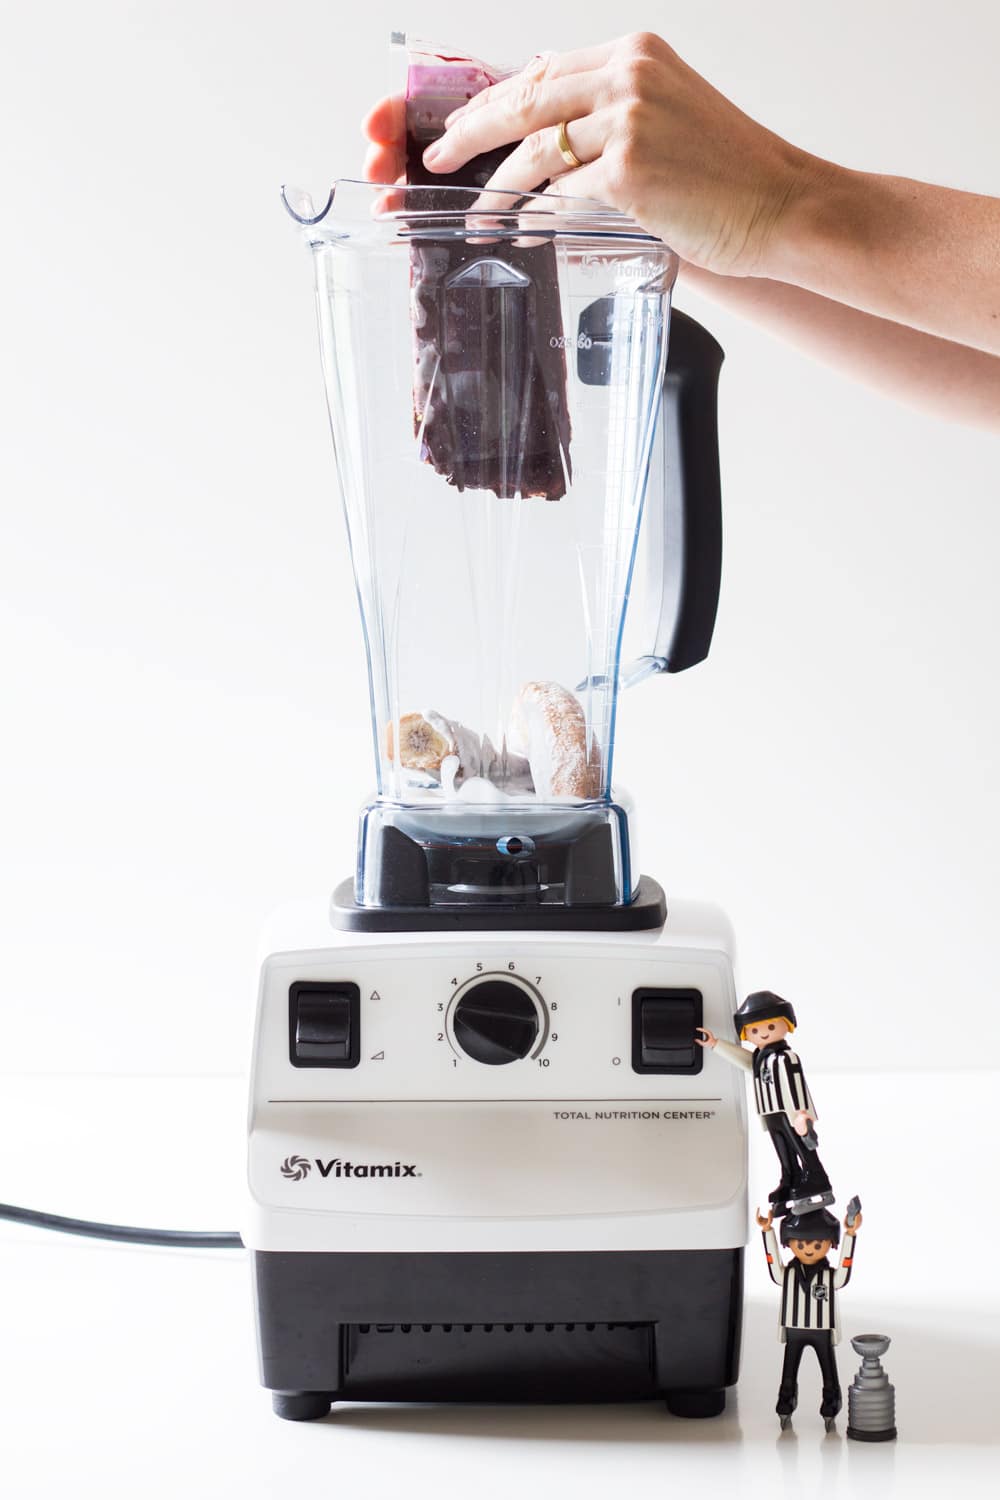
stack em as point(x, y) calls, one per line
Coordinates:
point(131, 1371)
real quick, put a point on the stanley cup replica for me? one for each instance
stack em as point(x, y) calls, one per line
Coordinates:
point(871, 1400)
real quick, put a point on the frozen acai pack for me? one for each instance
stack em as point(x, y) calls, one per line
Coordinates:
point(489, 392)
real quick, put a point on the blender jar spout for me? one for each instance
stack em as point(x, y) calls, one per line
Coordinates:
point(302, 206)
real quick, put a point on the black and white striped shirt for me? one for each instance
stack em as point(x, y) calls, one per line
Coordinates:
point(809, 1293)
point(779, 1084)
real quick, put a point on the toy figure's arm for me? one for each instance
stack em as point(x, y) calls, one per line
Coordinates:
point(773, 1254)
point(842, 1274)
point(795, 1096)
point(732, 1052)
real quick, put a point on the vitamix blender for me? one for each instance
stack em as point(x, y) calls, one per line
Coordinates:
point(487, 1161)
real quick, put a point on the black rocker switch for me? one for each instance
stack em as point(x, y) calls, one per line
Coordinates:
point(663, 1031)
point(323, 1024)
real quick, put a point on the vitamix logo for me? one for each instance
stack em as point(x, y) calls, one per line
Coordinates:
point(298, 1167)
point(602, 265)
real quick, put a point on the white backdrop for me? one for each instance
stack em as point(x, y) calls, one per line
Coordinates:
point(185, 731)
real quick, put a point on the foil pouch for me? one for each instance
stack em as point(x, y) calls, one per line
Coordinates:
point(490, 407)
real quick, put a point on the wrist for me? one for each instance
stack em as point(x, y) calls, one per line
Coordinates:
point(823, 207)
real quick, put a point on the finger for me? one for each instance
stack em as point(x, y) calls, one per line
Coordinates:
point(391, 201)
point(538, 158)
point(385, 122)
point(588, 182)
point(384, 163)
point(543, 66)
point(550, 201)
point(511, 119)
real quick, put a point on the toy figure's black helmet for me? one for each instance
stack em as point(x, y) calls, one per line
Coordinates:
point(760, 1006)
point(817, 1224)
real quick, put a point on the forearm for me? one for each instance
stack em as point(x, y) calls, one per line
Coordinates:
point(773, 1256)
point(945, 377)
point(733, 1053)
point(917, 254)
point(842, 1275)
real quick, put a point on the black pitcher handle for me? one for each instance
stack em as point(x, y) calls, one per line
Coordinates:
point(692, 496)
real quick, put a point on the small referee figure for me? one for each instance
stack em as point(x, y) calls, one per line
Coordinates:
point(809, 1313)
point(781, 1095)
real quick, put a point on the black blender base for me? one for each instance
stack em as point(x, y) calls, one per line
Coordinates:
point(500, 1328)
point(646, 913)
point(301, 1406)
point(311, 1406)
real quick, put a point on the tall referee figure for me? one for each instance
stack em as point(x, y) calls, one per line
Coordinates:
point(781, 1095)
point(809, 1314)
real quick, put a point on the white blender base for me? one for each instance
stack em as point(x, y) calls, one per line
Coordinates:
point(425, 1226)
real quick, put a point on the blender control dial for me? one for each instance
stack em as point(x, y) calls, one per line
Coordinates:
point(497, 1019)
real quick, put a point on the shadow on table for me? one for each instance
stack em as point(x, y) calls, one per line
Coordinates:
point(944, 1372)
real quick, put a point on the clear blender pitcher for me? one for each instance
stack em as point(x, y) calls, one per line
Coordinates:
point(502, 405)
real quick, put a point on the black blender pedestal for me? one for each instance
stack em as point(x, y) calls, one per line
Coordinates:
point(521, 1327)
point(646, 913)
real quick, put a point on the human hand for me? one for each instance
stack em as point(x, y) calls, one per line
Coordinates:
point(803, 1119)
point(763, 1223)
point(656, 141)
point(852, 1229)
point(709, 1036)
point(384, 126)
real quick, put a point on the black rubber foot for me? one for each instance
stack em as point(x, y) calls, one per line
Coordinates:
point(696, 1403)
point(885, 1436)
point(300, 1406)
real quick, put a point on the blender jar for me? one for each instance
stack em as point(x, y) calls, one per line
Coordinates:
point(495, 369)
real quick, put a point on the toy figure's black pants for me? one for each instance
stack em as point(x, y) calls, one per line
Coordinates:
point(821, 1340)
point(802, 1172)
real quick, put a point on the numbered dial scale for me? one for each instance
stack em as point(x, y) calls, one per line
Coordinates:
point(498, 1018)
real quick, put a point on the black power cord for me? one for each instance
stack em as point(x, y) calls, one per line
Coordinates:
point(208, 1239)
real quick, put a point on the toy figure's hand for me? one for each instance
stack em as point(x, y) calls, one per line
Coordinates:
point(852, 1229)
point(765, 1223)
point(707, 1038)
point(803, 1119)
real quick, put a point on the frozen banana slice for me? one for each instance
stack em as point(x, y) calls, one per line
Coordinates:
point(548, 725)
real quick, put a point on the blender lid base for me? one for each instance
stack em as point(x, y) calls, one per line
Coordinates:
point(647, 912)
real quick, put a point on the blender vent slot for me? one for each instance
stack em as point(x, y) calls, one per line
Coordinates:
point(498, 1361)
point(365, 1328)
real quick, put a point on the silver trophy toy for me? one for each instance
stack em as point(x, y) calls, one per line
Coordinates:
point(871, 1400)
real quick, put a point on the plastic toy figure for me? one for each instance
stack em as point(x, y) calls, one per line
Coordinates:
point(809, 1287)
point(782, 1096)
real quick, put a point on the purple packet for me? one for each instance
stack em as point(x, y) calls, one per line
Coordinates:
point(490, 405)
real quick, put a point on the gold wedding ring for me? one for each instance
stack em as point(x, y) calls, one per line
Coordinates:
point(566, 151)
